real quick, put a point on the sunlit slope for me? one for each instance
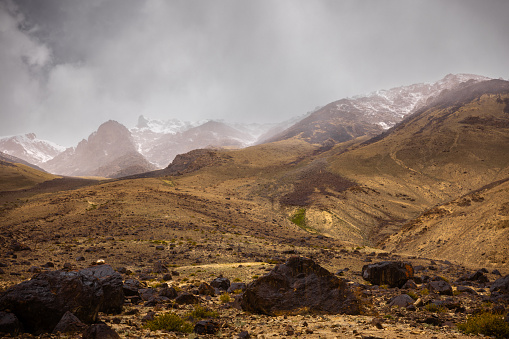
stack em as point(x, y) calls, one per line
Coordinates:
point(457, 144)
point(15, 176)
point(473, 228)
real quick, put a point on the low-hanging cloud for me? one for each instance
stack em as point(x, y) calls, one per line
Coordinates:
point(68, 66)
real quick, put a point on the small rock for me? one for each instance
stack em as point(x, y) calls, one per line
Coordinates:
point(206, 289)
point(409, 285)
point(186, 298)
point(69, 324)
point(167, 277)
point(466, 289)
point(159, 247)
point(244, 335)
point(377, 322)
point(440, 287)
point(159, 267)
point(9, 323)
point(206, 327)
point(168, 292)
point(100, 331)
point(402, 300)
point(80, 258)
point(237, 286)
point(149, 316)
point(220, 283)
point(131, 287)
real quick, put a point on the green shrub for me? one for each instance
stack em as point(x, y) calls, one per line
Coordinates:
point(201, 312)
point(225, 298)
point(487, 324)
point(434, 308)
point(169, 322)
point(412, 295)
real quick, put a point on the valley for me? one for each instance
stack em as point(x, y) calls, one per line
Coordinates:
point(432, 190)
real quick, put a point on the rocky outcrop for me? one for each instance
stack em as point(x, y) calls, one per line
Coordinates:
point(41, 302)
point(392, 273)
point(299, 285)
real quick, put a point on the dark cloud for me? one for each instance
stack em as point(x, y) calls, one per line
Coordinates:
point(68, 66)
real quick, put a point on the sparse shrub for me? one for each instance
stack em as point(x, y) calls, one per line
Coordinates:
point(424, 291)
point(254, 277)
point(487, 324)
point(412, 295)
point(225, 298)
point(434, 308)
point(201, 312)
point(169, 322)
point(237, 280)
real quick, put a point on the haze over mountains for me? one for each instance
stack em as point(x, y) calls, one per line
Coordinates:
point(117, 151)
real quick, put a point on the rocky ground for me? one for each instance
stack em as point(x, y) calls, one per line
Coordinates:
point(427, 312)
point(169, 238)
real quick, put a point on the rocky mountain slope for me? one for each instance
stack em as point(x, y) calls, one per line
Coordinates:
point(349, 118)
point(108, 152)
point(30, 148)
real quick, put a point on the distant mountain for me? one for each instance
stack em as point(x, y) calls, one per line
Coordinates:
point(29, 148)
point(211, 134)
point(108, 152)
point(349, 118)
point(160, 141)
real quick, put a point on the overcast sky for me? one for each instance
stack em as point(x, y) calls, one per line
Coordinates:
point(67, 66)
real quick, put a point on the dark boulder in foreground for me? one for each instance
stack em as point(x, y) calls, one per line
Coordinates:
point(41, 302)
point(299, 286)
point(392, 273)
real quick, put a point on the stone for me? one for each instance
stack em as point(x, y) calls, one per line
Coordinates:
point(392, 273)
point(131, 287)
point(112, 286)
point(409, 285)
point(187, 299)
point(440, 287)
point(236, 286)
point(159, 267)
point(299, 286)
point(500, 286)
point(10, 324)
point(206, 327)
point(220, 283)
point(147, 293)
point(100, 331)
point(466, 289)
point(69, 324)
point(168, 292)
point(479, 276)
point(243, 335)
point(402, 300)
point(167, 277)
point(206, 289)
point(41, 302)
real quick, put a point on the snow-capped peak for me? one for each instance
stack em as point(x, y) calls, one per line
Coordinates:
point(30, 148)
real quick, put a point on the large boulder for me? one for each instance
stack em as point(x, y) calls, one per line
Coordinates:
point(392, 273)
point(41, 302)
point(299, 286)
point(499, 289)
point(500, 286)
point(112, 286)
